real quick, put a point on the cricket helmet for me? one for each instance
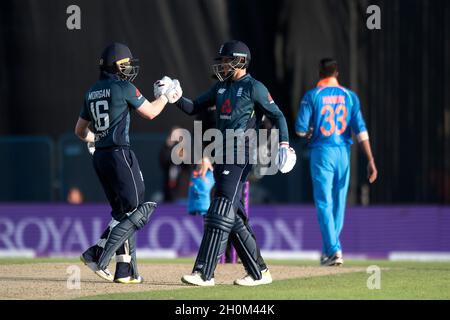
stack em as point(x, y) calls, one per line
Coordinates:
point(117, 59)
point(233, 55)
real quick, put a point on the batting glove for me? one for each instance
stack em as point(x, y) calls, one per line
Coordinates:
point(175, 92)
point(161, 87)
point(286, 158)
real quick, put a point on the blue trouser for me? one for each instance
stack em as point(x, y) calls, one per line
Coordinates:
point(121, 178)
point(330, 172)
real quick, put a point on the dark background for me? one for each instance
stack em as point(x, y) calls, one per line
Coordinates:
point(401, 73)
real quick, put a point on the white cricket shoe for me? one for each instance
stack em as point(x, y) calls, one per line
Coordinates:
point(197, 280)
point(104, 274)
point(248, 280)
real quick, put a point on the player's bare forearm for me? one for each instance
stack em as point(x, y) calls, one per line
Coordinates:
point(83, 132)
point(150, 110)
point(88, 136)
point(372, 172)
point(158, 105)
point(367, 150)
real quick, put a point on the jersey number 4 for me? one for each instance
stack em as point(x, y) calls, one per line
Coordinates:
point(341, 112)
point(100, 114)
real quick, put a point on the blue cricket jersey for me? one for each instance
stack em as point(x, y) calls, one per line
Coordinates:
point(199, 192)
point(332, 111)
point(107, 105)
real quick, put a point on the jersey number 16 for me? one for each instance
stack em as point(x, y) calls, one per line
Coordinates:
point(99, 112)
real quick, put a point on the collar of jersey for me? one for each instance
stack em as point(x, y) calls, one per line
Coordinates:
point(241, 78)
point(107, 75)
point(328, 82)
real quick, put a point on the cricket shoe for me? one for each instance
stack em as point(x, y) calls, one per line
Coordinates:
point(248, 280)
point(196, 279)
point(129, 280)
point(323, 259)
point(89, 258)
point(335, 260)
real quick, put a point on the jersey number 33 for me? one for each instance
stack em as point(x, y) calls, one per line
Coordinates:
point(331, 125)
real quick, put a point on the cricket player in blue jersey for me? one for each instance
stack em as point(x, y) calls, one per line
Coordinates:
point(200, 186)
point(327, 116)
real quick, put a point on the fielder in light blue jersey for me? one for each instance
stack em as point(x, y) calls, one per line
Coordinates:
point(199, 195)
point(327, 116)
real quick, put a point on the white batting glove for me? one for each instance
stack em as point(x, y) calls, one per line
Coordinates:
point(91, 147)
point(286, 158)
point(161, 87)
point(175, 92)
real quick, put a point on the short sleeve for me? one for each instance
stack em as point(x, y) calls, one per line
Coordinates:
point(302, 122)
point(132, 95)
point(357, 121)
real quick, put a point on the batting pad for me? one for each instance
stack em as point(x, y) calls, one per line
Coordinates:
point(124, 230)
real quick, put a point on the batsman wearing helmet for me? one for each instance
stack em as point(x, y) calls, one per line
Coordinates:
point(107, 107)
point(241, 101)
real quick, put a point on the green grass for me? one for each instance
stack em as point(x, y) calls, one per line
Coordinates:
point(410, 282)
point(399, 280)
